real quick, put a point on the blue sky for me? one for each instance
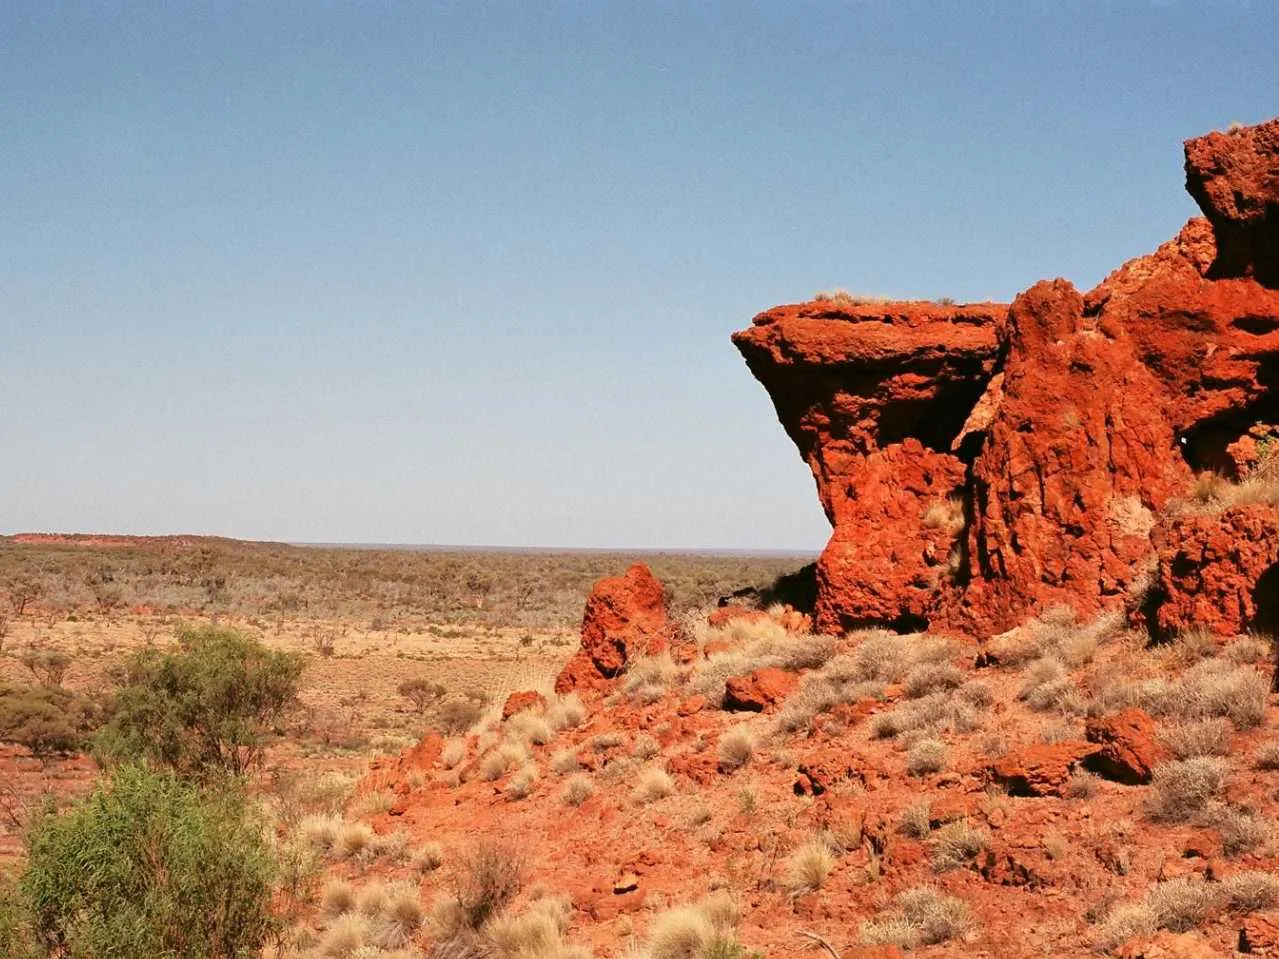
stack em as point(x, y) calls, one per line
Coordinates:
point(466, 272)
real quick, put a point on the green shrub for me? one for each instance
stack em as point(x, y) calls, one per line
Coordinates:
point(150, 865)
point(203, 707)
point(17, 939)
point(44, 719)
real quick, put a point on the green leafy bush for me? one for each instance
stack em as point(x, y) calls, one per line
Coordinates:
point(204, 707)
point(150, 865)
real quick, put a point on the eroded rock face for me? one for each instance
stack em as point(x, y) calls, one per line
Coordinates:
point(877, 398)
point(982, 463)
point(1235, 180)
point(1220, 571)
point(625, 617)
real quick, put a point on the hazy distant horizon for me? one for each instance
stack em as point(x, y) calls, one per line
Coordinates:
point(467, 272)
point(446, 547)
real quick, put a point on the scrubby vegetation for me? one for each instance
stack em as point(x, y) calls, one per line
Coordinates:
point(149, 865)
point(204, 707)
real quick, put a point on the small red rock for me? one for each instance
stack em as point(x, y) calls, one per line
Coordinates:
point(519, 702)
point(1039, 770)
point(1129, 747)
point(759, 690)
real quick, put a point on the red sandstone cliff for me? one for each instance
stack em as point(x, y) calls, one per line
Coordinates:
point(980, 463)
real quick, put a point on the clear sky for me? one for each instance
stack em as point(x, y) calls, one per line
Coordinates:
point(466, 272)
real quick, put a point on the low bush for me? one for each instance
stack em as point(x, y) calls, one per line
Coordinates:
point(204, 707)
point(1184, 787)
point(926, 756)
point(483, 885)
point(45, 719)
point(1204, 737)
point(149, 865)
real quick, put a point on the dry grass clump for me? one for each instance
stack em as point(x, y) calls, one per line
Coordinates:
point(1212, 688)
point(929, 678)
point(459, 714)
point(501, 760)
point(521, 783)
point(736, 747)
point(652, 784)
point(917, 820)
point(565, 761)
point(1213, 493)
point(1184, 787)
point(537, 933)
point(821, 692)
point(326, 794)
point(808, 867)
point(529, 727)
point(1249, 649)
point(1055, 634)
point(428, 858)
point(603, 742)
point(355, 840)
point(1203, 737)
point(565, 712)
point(705, 930)
point(649, 677)
point(955, 844)
point(1267, 757)
point(976, 694)
point(761, 643)
point(645, 747)
point(482, 887)
point(1049, 687)
point(319, 832)
point(947, 514)
point(578, 789)
point(880, 656)
point(1126, 923)
point(337, 897)
point(345, 936)
point(922, 916)
point(1181, 904)
point(1082, 784)
point(371, 899)
point(1250, 891)
point(1242, 830)
point(453, 753)
point(842, 297)
point(1177, 905)
point(939, 711)
point(926, 756)
point(399, 917)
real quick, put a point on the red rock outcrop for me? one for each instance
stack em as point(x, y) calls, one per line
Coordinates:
point(876, 397)
point(625, 617)
point(981, 463)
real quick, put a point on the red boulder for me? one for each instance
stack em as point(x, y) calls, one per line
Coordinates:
point(758, 690)
point(625, 618)
point(1129, 746)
